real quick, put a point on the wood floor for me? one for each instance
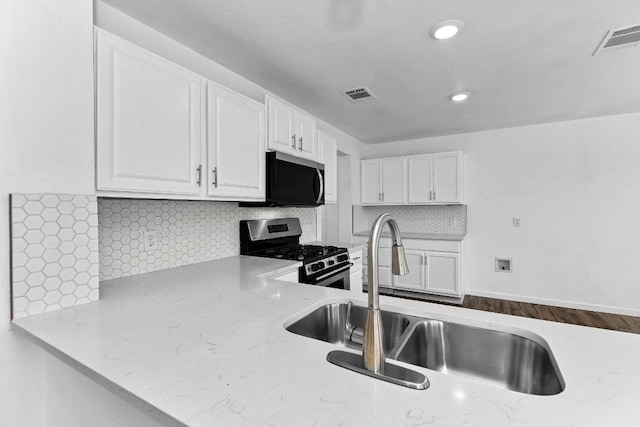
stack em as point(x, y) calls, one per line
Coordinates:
point(557, 314)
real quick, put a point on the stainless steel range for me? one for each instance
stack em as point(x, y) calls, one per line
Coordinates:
point(280, 238)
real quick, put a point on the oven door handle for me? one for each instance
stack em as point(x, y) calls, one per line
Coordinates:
point(339, 270)
point(321, 186)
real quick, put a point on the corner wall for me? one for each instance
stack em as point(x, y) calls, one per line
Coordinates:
point(574, 186)
point(46, 145)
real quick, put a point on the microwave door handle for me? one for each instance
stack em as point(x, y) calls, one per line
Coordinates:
point(321, 186)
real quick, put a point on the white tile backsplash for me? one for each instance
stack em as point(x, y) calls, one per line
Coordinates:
point(187, 232)
point(54, 242)
point(440, 219)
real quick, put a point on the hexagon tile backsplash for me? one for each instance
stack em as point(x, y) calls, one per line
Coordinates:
point(186, 232)
point(54, 241)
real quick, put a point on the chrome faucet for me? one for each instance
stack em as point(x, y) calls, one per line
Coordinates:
point(373, 349)
point(372, 362)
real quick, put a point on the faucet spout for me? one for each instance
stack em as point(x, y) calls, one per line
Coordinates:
point(372, 346)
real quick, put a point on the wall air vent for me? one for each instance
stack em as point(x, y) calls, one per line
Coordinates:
point(360, 94)
point(619, 38)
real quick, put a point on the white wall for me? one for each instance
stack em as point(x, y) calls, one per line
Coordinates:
point(574, 185)
point(46, 145)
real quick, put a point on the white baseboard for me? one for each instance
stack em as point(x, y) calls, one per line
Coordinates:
point(557, 303)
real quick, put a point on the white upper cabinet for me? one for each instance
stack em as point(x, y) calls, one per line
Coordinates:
point(383, 181)
point(148, 121)
point(422, 180)
point(291, 131)
point(447, 177)
point(420, 171)
point(371, 182)
point(306, 135)
point(328, 155)
point(435, 178)
point(235, 145)
point(281, 126)
point(394, 181)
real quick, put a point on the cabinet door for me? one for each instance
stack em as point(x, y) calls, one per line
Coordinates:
point(420, 172)
point(442, 273)
point(447, 177)
point(148, 121)
point(306, 137)
point(328, 155)
point(235, 145)
point(384, 277)
point(281, 126)
point(370, 182)
point(355, 281)
point(414, 281)
point(393, 181)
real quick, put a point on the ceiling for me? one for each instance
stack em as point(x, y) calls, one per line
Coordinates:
point(524, 61)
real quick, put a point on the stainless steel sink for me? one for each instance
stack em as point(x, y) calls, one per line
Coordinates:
point(336, 324)
point(505, 359)
point(517, 360)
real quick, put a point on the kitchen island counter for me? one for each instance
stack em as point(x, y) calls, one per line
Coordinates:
point(205, 345)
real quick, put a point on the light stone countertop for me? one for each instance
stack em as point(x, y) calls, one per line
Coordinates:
point(205, 345)
point(419, 236)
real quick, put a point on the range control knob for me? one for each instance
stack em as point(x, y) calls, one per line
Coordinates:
point(317, 266)
point(343, 258)
point(331, 262)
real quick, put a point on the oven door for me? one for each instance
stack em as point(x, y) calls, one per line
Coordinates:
point(338, 278)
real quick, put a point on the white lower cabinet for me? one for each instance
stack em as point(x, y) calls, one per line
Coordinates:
point(292, 276)
point(432, 272)
point(434, 266)
point(442, 272)
point(414, 281)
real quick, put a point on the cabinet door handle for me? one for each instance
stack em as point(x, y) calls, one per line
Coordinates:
point(293, 141)
point(300, 147)
point(383, 196)
point(214, 172)
point(434, 195)
point(199, 181)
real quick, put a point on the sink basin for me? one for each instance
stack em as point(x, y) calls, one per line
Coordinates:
point(516, 360)
point(505, 359)
point(329, 323)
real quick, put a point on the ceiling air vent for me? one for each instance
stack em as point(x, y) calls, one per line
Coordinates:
point(360, 94)
point(619, 38)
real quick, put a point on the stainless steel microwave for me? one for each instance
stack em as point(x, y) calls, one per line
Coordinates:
point(292, 181)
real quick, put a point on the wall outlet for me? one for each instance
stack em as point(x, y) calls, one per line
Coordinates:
point(504, 265)
point(453, 221)
point(516, 222)
point(151, 241)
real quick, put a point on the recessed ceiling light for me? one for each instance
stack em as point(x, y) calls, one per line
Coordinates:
point(446, 29)
point(460, 96)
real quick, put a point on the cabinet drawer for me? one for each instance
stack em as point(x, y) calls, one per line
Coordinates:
point(432, 245)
